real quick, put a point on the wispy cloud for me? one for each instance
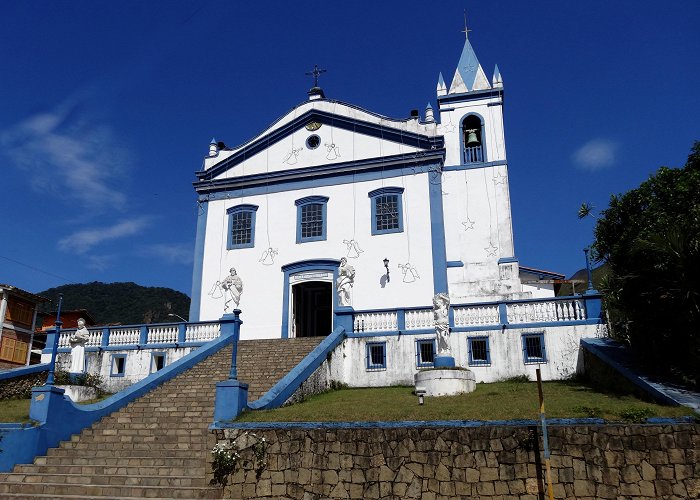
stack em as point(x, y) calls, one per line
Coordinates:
point(83, 241)
point(596, 154)
point(174, 253)
point(62, 150)
point(99, 262)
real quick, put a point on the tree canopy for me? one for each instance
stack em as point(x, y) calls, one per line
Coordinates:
point(650, 237)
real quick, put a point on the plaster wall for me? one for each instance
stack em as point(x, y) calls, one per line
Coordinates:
point(137, 367)
point(348, 364)
point(348, 217)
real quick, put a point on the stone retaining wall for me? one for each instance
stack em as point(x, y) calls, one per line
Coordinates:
point(494, 462)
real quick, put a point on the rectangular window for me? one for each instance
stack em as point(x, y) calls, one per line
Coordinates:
point(157, 361)
point(241, 226)
point(311, 218)
point(118, 365)
point(534, 348)
point(387, 210)
point(479, 351)
point(425, 352)
point(376, 356)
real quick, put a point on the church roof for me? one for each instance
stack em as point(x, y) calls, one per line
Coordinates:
point(469, 74)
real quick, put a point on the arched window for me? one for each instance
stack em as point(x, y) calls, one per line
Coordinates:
point(472, 140)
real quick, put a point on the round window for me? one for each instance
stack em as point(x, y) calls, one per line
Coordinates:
point(313, 142)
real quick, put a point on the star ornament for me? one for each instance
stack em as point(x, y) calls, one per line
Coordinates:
point(491, 250)
point(468, 224)
point(500, 178)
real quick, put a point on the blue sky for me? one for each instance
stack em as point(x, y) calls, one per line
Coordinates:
point(107, 109)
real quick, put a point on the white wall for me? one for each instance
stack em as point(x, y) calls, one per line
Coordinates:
point(262, 296)
point(348, 362)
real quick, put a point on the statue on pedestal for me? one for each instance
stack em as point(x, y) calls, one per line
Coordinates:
point(77, 344)
point(441, 315)
point(345, 282)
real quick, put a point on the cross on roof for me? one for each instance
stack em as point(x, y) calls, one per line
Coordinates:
point(315, 73)
point(466, 30)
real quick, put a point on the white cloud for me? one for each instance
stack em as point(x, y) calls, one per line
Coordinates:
point(596, 154)
point(174, 253)
point(82, 241)
point(99, 262)
point(62, 151)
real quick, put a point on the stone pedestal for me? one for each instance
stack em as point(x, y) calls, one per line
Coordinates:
point(445, 381)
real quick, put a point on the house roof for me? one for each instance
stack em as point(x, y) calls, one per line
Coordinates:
point(23, 293)
point(542, 273)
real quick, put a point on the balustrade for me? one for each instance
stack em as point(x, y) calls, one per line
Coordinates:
point(473, 154)
point(200, 332)
point(419, 319)
point(546, 311)
point(376, 322)
point(476, 315)
point(158, 334)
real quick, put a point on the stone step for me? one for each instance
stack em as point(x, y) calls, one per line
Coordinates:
point(110, 491)
point(101, 453)
point(194, 469)
point(188, 461)
point(110, 480)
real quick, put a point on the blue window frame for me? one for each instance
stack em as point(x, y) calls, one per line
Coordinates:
point(241, 226)
point(157, 361)
point(387, 210)
point(376, 356)
point(533, 348)
point(311, 218)
point(479, 354)
point(118, 368)
point(425, 352)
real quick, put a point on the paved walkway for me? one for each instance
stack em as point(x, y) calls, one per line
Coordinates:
point(618, 356)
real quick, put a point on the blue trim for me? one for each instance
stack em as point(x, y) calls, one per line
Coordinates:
point(283, 390)
point(387, 191)
point(322, 175)
point(455, 263)
point(474, 166)
point(534, 359)
point(384, 132)
point(114, 370)
point(198, 265)
point(301, 204)
point(58, 417)
point(24, 370)
point(153, 358)
point(500, 103)
point(436, 424)
point(245, 208)
point(479, 362)
point(482, 135)
point(369, 366)
point(419, 359)
point(328, 265)
point(437, 233)
point(506, 260)
point(472, 95)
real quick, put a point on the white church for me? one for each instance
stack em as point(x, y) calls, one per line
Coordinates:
point(337, 210)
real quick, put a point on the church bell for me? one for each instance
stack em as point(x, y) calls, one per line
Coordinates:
point(471, 138)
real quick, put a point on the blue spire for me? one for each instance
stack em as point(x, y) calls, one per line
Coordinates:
point(428, 106)
point(213, 140)
point(441, 80)
point(469, 75)
point(497, 78)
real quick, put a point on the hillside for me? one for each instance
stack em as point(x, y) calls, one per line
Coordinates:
point(125, 303)
point(598, 274)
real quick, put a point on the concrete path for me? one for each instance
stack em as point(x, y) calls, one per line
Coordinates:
point(619, 357)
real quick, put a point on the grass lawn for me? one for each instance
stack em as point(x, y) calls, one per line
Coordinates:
point(17, 410)
point(496, 401)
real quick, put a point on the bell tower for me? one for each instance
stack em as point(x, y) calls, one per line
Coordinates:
point(476, 197)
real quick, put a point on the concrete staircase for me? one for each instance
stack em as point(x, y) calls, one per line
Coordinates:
point(157, 446)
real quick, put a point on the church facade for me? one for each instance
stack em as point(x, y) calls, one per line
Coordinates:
point(334, 208)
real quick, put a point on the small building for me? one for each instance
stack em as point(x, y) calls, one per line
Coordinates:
point(18, 313)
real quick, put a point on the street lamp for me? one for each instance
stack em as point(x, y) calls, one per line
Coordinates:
point(386, 265)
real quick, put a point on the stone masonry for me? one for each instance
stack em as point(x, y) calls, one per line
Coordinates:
point(492, 462)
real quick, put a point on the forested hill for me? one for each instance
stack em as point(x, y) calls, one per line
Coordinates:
point(124, 303)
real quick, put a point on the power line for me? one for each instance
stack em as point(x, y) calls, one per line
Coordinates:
point(37, 269)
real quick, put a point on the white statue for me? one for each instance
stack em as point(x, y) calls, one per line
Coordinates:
point(441, 315)
point(345, 281)
point(233, 288)
point(77, 344)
